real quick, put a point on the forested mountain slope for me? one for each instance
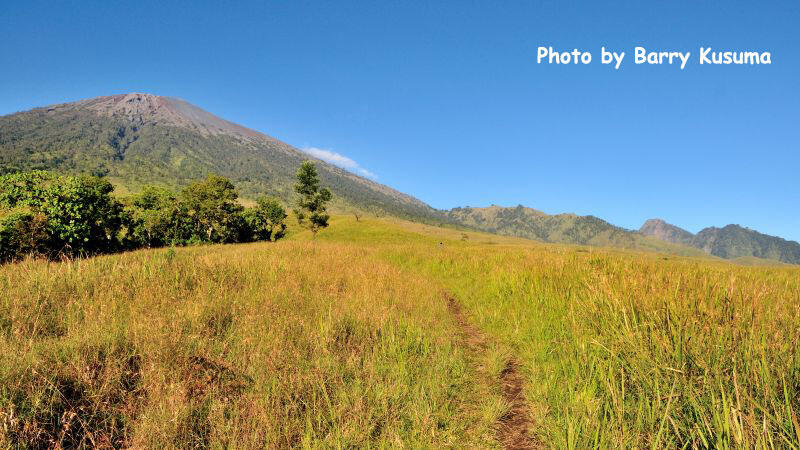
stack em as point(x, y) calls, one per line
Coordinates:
point(135, 139)
point(730, 241)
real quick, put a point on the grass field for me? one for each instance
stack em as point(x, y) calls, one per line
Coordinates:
point(349, 341)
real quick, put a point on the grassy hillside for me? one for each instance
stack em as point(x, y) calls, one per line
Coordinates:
point(349, 341)
point(257, 346)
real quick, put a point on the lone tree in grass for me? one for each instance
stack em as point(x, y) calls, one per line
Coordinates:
point(312, 204)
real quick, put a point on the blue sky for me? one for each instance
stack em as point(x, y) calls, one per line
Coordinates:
point(445, 100)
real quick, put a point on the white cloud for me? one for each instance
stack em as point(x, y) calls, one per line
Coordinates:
point(339, 160)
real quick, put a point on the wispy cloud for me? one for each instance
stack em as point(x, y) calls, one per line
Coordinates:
point(339, 160)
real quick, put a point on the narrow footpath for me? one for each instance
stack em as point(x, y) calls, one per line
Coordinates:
point(513, 427)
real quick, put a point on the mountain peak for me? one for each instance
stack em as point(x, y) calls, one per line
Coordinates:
point(149, 109)
point(654, 221)
point(660, 229)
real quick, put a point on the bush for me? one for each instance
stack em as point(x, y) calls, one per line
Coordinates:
point(23, 232)
point(265, 222)
point(152, 219)
point(80, 214)
point(212, 211)
point(45, 214)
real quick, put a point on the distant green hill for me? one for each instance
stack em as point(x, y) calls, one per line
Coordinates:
point(137, 139)
point(729, 242)
point(530, 223)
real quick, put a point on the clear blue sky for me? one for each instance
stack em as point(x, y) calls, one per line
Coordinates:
point(445, 101)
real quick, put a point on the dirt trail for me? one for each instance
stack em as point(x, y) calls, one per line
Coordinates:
point(514, 426)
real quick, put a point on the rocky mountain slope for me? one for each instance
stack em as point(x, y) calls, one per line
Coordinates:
point(136, 139)
point(659, 229)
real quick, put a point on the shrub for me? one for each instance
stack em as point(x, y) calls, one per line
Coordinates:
point(265, 222)
point(45, 214)
point(80, 214)
point(152, 219)
point(23, 232)
point(212, 211)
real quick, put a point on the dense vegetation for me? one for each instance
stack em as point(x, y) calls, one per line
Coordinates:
point(347, 342)
point(49, 215)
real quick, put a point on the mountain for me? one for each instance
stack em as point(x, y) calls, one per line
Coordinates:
point(659, 229)
point(530, 223)
point(136, 139)
point(729, 242)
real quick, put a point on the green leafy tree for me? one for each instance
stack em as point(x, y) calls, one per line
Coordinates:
point(213, 212)
point(312, 204)
point(153, 219)
point(82, 217)
point(266, 221)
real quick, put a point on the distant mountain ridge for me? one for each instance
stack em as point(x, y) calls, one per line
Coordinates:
point(530, 223)
point(527, 222)
point(136, 139)
point(729, 242)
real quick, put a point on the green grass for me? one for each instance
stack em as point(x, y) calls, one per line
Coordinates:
point(346, 341)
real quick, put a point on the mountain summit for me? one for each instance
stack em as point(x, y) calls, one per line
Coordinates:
point(664, 231)
point(153, 109)
point(137, 139)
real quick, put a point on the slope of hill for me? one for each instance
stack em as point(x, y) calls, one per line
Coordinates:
point(530, 223)
point(729, 242)
point(135, 139)
point(734, 241)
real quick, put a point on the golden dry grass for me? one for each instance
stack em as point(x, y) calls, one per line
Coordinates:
point(346, 342)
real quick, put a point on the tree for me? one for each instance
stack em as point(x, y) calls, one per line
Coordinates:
point(312, 204)
point(212, 210)
point(265, 221)
point(152, 219)
point(82, 217)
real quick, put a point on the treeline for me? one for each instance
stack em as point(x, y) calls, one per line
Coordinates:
point(44, 214)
